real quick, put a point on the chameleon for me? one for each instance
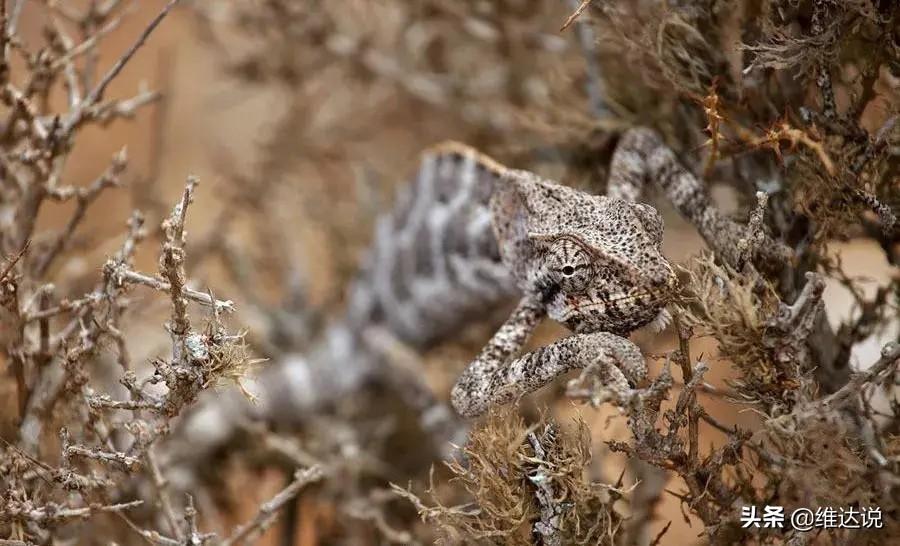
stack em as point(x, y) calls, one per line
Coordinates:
point(592, 263)
point(469, 234)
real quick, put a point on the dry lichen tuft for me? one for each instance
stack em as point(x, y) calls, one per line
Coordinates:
point(735, 311)
point(524, 482)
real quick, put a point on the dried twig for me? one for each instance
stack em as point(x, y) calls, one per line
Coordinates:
point(12, 261)
point(133, 277)
point(579, 8)
point(268, 511)
point(96, 94)
point(594, 84)
point(548, 528)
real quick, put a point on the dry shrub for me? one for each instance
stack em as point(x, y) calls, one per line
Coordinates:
point(737, 310)
point(504, 468)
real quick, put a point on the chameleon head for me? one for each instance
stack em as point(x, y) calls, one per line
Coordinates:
point(594, 261)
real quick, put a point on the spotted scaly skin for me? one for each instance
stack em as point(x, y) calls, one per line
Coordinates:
point(469, 234)
point(434, 262)
point(592, 263)
point(433, 267)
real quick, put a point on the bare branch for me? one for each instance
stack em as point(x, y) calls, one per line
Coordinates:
point(125, 275)
point(96, 94)
point(269, 510)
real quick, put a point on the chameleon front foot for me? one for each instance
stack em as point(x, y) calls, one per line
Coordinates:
point(613, 361)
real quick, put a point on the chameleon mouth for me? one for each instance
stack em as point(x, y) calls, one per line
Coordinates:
point(649, 297)
point(630, 309)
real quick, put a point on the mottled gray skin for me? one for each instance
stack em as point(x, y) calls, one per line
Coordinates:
point(592, 263)
point(434, 262)
point(433, 267)
point(469, 234)
point(642, 158)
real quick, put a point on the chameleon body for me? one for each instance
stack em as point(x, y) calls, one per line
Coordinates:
point(433, 266)
point(590, 262)
point(434, 262)
point(468, 234)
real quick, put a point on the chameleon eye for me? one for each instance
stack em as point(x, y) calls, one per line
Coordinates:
point(571, 265)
